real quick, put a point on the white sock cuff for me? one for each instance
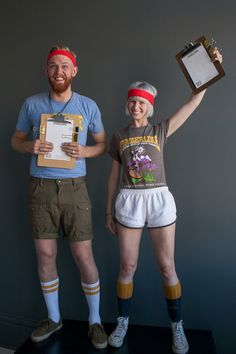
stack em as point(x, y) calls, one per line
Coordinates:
point(85, 285)
point(50, 286)
point(91, 289)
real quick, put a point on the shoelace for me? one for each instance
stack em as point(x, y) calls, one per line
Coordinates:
point(121, 328)
point(178, 333)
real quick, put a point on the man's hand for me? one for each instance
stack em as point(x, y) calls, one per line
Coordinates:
point(74, 150)
point(21, 144)
point(40, 148)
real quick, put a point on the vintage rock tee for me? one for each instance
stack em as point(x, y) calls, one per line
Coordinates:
point(140, 151)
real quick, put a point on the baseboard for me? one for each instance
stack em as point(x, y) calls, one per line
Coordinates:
point(17, 320)
point(14, 330)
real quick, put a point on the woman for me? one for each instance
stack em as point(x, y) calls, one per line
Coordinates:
point(144, 199)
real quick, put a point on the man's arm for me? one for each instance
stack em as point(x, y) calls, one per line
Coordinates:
point(80, 151)
point(98, 148)
point(21, 144)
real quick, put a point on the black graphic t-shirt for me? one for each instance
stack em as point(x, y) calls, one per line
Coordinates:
point(140, 151)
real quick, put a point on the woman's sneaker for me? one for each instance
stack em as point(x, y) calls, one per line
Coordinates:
point(116, 338)
point(180, 344)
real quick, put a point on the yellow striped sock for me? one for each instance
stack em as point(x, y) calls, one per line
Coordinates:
point(91, 289)
point(50, 287)
point(92, 294)
point(50, 293)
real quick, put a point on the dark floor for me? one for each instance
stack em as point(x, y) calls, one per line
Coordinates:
point(73, 339)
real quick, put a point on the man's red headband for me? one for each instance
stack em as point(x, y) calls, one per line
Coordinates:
point(141, 93)
point(62, 52)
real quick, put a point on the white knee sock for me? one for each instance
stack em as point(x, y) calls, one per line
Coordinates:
point(50, 293)
point(92, 293)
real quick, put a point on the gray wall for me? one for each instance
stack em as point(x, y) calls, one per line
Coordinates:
point(118, 42)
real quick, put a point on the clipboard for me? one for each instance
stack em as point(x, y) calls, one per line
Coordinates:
point(58, 129)
point(197, 66)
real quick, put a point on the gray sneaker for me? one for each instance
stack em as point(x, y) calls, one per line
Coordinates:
point(45, 329)
point(116, 338)
point(180, 344)
point(98, 336)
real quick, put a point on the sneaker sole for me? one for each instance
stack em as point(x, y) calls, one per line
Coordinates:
point(115, 345)
point(180, 351)
point(42, 338)
point(99, 345)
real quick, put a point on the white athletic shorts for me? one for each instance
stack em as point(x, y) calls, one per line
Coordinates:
point(154, 207)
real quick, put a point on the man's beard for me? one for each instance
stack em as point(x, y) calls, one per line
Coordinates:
point(60, 88)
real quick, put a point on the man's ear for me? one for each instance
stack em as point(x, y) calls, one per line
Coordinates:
point(75, 71)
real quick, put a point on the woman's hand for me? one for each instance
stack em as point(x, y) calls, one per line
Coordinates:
point(111, 224)
point(215, 55)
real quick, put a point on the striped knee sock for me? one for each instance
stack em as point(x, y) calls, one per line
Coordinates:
point(50, 293)
point(92, 294)
point(124, 295)
point(173, 300)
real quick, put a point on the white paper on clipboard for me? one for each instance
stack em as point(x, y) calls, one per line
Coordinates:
point(57, 134)
point(199, 66)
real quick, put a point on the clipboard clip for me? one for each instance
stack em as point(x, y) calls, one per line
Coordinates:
point(189, 46)
point(59, 118)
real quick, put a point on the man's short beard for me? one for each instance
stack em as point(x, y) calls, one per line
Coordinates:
point(60, 88)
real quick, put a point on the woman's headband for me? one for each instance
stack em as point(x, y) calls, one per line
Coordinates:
point(141, 93)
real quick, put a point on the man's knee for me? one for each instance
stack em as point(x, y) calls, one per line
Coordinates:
point(83, 253)
point(46, 252)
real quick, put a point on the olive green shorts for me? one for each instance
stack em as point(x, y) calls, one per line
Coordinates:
point(60, 204)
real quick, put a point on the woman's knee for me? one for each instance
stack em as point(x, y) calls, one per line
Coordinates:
point(127, 269)
point(168, 271)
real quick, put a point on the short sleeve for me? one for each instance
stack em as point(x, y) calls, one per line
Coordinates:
point(95, 123)
point(24, 122)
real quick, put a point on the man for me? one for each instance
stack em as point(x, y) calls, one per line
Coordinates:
point(58, 197)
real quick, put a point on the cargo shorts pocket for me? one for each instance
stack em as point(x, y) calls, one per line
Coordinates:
point(78, 224)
